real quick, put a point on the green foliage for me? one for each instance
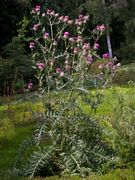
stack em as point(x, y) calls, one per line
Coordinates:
point(124, 74)
point(76, 145)
point(118, 174)
point(7, 131)
point(16, 66)
point(121, 130)
point(11, 12)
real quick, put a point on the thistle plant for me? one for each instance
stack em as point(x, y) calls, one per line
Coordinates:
point(63, 60)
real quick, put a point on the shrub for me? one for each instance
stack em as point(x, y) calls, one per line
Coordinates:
point(124, 74)
point(75, 146)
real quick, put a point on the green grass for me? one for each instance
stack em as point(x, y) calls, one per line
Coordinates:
point(19, 111)
point(9, 148)
point(110, 100)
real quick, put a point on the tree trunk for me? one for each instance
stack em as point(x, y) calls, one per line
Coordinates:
point(109, 46)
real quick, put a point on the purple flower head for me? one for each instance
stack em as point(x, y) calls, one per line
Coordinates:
point(46, 35)
point(86, 18)
point(66, 18)
point(89, 59)
point(85, 52)
point(80, 17)
point(35, 27)
point(31, 45)
point(62, 74)
point(43, 14)
point(100, 27)
point(96, 46)
point(106, 56)
point(70, 22)
point(30, 85)
point(77, 21)
point(56, 14)
point(71, 39)
point(86, 46)
point(61, 18)
point(33, 11)
point(114, 67)
point(58, 70)
point(37, 8)
point(55, 43)
point(52, 13)
point(79, 39)
point(41, 66)
point(75, 51)
point(48, 11)
point(66, 35)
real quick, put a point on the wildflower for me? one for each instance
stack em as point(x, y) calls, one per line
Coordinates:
point(30, 85)
point(89, 59)
point(86, 17)
point(66, 18)
point(58, 70)
point(41, 66)
point(71, 39)
point(48, 11)
point(54, 43)
point(31, 45)
point(96, 46)
point(100, 28)
point(106, 56)
point(52, 13)
point(70, 22)
point(43, 15)
point(86, 46)
point(77, 21)
point(75, 51)
point(37, 8)
point(56, 14)
point(35, 27)
point(108, 65)
point(61, 74)
point(61, 18)
point(79, 39)
point(85, 52)
point(80, 17)
point(46, 35)
point(66, 35)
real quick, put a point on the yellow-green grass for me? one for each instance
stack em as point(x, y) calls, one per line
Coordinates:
point(9, 148)
point(111, 100)
point(21, 113)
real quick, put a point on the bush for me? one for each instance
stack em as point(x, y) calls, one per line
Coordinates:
point(75, 146)
point(124, 74)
